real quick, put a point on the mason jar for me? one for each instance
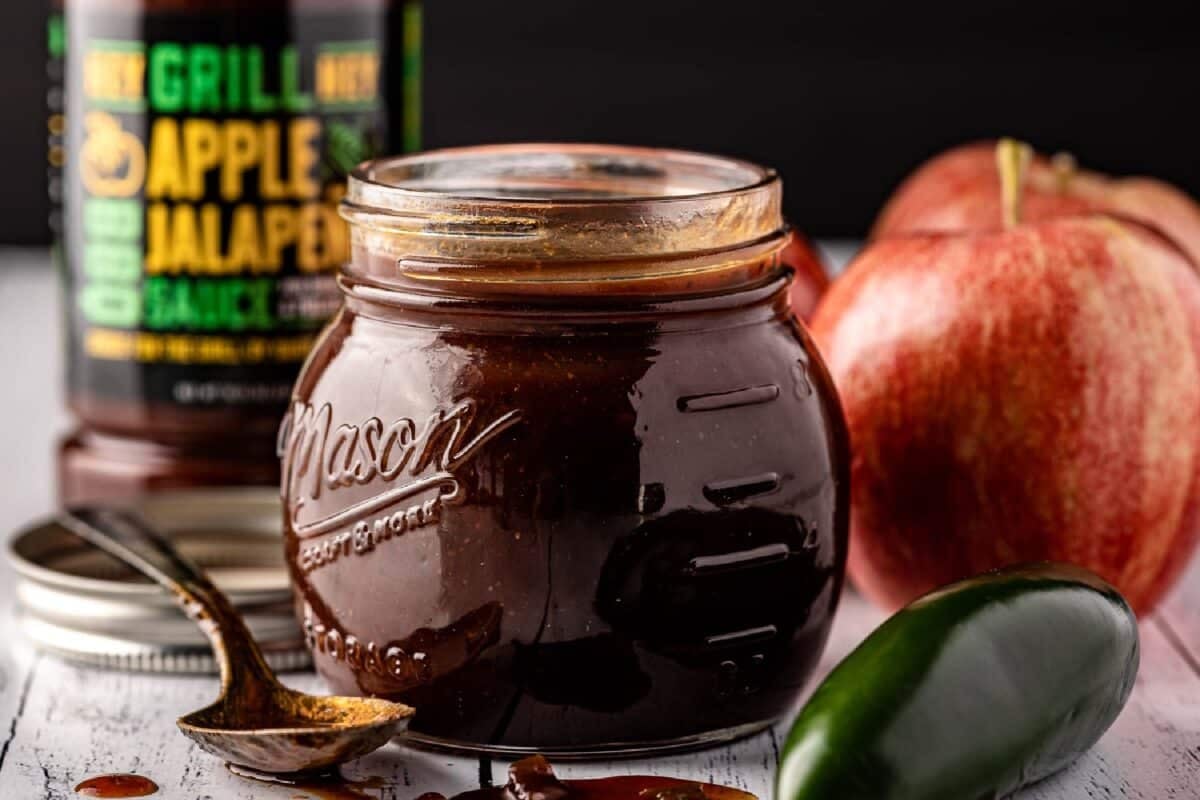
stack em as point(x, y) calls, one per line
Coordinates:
point(565, 473)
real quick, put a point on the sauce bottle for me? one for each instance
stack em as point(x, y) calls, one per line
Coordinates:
point(208, 143)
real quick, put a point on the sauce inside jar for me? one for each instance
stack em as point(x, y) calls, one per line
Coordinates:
point(566, 474)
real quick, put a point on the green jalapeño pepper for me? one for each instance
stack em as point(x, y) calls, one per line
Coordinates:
point(971, 692)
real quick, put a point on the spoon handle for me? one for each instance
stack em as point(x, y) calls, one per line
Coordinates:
point(129, 538)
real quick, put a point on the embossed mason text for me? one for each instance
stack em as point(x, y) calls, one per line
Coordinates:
point(411, 457)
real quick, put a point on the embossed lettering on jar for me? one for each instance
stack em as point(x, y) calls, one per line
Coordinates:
point(565, 473)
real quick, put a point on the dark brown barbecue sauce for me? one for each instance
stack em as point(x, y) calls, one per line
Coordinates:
point(558, 501)
point(117, 785)
point(533, 779)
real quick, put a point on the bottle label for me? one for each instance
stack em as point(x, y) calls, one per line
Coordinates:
point(209, 150)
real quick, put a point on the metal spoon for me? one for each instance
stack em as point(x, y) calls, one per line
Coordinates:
point(256, 722)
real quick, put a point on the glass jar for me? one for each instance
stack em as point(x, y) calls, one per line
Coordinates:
point(564, 473)
point(210, 141)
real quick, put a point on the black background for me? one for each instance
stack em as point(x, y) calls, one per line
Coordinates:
point(843, 99)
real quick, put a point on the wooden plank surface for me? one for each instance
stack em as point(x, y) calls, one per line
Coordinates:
point(60, 723)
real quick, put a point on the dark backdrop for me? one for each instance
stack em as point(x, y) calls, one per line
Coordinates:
point(843, 99)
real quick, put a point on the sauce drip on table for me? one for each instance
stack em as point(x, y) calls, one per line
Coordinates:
point(533, 779)
point(117, 785)
point(528, 779)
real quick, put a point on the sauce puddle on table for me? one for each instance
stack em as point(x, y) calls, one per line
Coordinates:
point(528, 778)
point(317, 786)
point(117, 785)
point(533, 777)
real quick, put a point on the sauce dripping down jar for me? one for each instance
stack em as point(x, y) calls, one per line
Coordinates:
point(565, 473)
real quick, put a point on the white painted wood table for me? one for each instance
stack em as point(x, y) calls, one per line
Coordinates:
point(60, 723)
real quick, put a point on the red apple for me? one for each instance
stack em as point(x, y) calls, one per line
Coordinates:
point(1021, 394)
point(959, 190)
point(811, 277)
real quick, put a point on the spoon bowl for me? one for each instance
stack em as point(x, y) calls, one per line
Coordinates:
point(257, 723)
point(302, 733)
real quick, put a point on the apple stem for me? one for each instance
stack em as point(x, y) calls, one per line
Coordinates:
point(1012, 160)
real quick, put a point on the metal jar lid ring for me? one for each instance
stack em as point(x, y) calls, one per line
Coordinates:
point(79, 603)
